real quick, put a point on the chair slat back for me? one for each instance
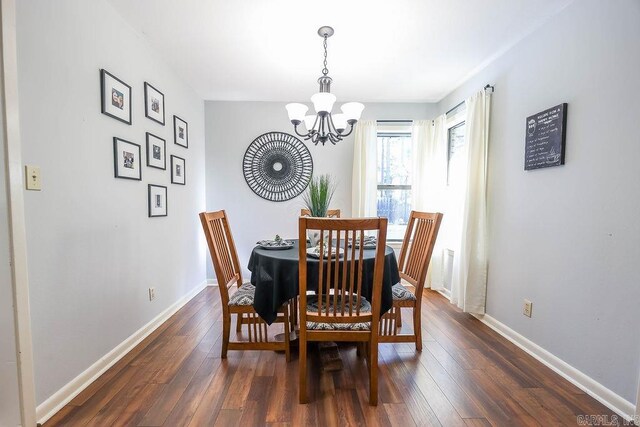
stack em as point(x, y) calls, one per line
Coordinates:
point(223, 251)
point(340, 276)
point(331, 213)
point(417, 247)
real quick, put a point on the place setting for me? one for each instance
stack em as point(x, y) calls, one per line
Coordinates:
point(276, 244)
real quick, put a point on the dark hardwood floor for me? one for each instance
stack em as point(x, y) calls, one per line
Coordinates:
point(467, 375)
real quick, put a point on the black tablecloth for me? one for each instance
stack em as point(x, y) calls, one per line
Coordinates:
point(274, 273)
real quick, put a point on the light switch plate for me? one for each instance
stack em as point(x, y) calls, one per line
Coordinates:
point(33, 179)
point(527, 308)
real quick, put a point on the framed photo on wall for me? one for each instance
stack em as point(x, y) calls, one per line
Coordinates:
point(156, 152)
point(126, 159)
point(546, 138)
point(115, 97)
point(153, 103)
point(157, 200)
point(180, 132)
point(178, 172)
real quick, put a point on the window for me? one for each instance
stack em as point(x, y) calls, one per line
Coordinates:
point(394, 177)
point(455, 142)
point(449, 234)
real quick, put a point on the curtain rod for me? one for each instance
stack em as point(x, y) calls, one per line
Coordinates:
point(394, 121)
point(454, 107)
point(488, 86)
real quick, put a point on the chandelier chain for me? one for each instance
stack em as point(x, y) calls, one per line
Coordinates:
point(325, 71)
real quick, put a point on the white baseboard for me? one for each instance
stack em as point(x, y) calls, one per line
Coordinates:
point(590, 386)
point(53, 404)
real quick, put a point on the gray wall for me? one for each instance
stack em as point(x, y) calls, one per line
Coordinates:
point(231, 126)
point(93, 252)
point(567, 238)
point(9, 391)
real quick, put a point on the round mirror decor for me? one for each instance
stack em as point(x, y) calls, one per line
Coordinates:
point(277, 166)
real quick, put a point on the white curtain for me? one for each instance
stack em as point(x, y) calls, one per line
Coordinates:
point(365, 186)
point(469, 282)
point(428, 185)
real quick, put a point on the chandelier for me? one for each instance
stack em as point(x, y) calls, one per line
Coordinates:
point(324, 126)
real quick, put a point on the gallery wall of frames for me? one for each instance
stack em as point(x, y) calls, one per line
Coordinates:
point(116, 102)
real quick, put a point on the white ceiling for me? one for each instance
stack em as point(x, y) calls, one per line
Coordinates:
point(401, 50)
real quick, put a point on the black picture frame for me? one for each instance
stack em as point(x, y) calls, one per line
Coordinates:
point(546, 138)
point(149, 107)
point(151, 153)
point(111, 109)
point(178, 170)
point(177, 139)
point(129, 160)
point(156, 207)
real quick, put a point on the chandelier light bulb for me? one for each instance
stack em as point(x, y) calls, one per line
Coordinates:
point(340, 122)
point(309, 122)
point(323, 102)
point(296, 112)
point(352, 110)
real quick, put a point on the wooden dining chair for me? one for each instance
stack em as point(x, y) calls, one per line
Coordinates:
point(227, 268)
point(331, 213)
point(415, 254)
point(338, 311)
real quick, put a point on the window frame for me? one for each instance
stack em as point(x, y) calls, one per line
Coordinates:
point(454, 120)
point(399, 129)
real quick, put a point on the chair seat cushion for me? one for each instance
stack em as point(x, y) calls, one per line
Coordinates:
point(322, 326)
point(401, 293)
point(244, 295)
point(365, 307)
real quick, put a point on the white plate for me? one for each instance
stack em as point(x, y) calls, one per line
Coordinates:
point(313, 252)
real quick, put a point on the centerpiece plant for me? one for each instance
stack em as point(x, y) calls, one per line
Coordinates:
point(319, 194)
point(317, 199)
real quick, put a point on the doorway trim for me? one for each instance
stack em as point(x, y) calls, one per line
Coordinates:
point(637, 414)
point(15, 204)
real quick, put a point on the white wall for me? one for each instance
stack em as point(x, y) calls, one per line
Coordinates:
point(567, 238)
point(9, 391)
point(232, 126)
point(93, 252)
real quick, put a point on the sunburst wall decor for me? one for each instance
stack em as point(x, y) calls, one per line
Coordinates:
point(277, 166)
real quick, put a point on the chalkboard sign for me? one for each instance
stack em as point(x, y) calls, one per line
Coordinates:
point(545, 138)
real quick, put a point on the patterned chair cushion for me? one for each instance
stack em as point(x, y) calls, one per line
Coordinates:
point(365, 307)
point(243, 296)
point(401, 293)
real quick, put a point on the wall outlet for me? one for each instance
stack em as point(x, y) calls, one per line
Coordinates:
point(527, 307)
point(32, 176)
point(152, 294)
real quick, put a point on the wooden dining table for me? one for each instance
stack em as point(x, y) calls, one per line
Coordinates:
point(274, 273)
